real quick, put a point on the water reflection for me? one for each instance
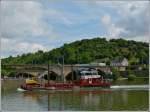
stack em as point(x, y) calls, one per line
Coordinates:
point(89, 99)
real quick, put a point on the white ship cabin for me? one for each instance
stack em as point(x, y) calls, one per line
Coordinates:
point(86, 74)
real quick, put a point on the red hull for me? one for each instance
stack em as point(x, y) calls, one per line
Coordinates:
point(46, 86)
point(93, 83)
point(62, 86)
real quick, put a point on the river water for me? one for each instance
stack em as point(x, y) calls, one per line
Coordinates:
point(124, 97)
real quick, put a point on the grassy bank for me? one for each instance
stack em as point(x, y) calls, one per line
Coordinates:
point(137, 80)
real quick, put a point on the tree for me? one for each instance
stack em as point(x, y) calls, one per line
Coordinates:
point(131, 77)
point(69, 54)
point(115, 74)
point(87, 50)
point(85, 57)
point(3, 72)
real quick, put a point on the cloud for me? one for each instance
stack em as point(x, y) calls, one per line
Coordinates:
point(132, 21)
point(60, 17)
point(23, 19)
point(30, 47)
point(15, 47)
point(112, 29)
point(23, 27)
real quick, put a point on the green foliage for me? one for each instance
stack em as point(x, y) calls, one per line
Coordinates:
point(12, 74)
point(145, 67)
point(131, 77)
point(86, 51)
point(5, 71)
point(115, 74)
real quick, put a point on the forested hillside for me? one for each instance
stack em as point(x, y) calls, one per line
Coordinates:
point(86, 51)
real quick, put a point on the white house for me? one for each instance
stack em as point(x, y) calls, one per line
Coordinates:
point(120, 62)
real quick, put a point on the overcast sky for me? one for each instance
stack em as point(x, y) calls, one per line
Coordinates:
point(29, 26)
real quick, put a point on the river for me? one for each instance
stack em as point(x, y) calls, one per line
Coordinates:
point(124, 97)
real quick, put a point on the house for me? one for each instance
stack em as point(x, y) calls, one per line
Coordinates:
point(120, 62)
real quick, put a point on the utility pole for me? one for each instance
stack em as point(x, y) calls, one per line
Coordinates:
point(63, 69)
point(48, 74)
point(77, 59)
point(72, 73)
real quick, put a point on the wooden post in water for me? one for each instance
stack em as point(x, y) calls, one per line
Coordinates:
point(48, 102)
point(60, 102)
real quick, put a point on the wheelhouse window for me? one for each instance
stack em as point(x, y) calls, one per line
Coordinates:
point(94, 73)
point(88, 73)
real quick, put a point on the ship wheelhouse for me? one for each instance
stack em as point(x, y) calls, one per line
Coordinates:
point(89, 74)
point(90, 77)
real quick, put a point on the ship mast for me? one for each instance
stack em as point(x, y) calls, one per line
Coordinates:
point(48, 77)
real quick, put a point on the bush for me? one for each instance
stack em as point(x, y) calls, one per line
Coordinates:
point(12, 74)
point(115, 77)
point(131, 77)
point(116, 74)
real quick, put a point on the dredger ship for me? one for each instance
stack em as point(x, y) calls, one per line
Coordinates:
point(86, 78)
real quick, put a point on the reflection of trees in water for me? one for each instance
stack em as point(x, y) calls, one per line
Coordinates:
point(125, 97)
point(93, 99)
point(77, 100)
point(62, 100)
point(37, 97)
point(10, 86)
point(32, 95)
point(89, 100)
point(57, 100)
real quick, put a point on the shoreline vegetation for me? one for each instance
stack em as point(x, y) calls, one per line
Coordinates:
point(87, 51)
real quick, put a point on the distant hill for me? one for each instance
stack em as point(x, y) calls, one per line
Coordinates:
point(86, 51)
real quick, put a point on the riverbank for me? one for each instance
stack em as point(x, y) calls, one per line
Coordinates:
point(137, 80)
point(119, 81)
